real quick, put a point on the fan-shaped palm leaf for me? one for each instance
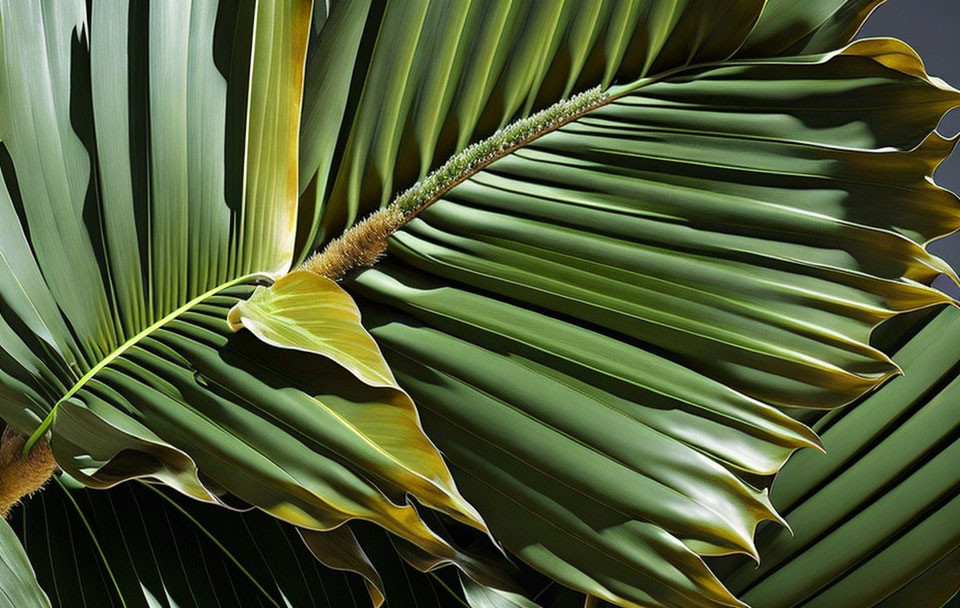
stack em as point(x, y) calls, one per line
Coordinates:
point(875, 521)
point(599, 319)
point(130, 212)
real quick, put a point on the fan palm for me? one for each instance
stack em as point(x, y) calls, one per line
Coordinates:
point(622, 247)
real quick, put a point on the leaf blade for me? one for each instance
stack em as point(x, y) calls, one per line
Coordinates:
point(309, 313)
point(19, 586)
point(609, 231)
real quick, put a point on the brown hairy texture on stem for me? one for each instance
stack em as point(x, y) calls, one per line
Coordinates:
point(360, 247)
point(22, 475)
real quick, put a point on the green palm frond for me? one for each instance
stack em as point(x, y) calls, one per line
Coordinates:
point(125, 242)
point(648, 285)
point(876, 520)
point(137, 546)
point(610, 316)
point(18, 581)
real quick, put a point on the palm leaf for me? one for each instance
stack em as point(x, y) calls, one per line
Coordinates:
point(383, 79)
point(428, 78)
point(401, 584)
point(535, 307)
point(606, 401)
point(604, 322)
point(792, 28)
point(485, 597)
point(137, 202)
point(138, 546)
point(18, 583)
point(876, 521)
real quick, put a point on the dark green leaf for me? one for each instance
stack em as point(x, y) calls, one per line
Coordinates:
point(788, 27)
point(876, 521)
point(598, 328)
point(431, 77)
point(136, 546)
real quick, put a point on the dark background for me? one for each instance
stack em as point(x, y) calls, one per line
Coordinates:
point(932, 27)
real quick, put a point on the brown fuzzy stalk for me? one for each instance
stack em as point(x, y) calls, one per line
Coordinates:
point(21, 475)
point(360, 247)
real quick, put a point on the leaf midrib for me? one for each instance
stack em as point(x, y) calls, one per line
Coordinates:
point(131, 342)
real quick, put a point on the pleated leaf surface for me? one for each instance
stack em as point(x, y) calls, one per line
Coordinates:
point(601, 328)
point(876, 520)
point(413, 82)
point(143, 547)
point(148, 155)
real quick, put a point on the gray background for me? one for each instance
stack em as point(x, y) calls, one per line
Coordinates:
point(932, 27)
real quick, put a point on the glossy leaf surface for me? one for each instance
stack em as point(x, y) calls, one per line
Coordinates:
point(133, 197)
point(18, 582)
point(800, 28)
point(876, 521)
point(599, 328)
point(431, 77)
